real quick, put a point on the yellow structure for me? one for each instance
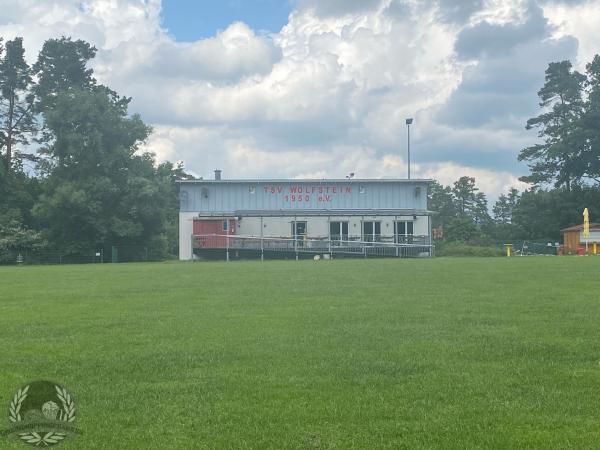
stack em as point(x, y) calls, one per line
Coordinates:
point(586, 223)
point(509, 249)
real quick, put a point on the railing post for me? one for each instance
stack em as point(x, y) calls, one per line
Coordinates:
point(192, 247)
point(262, 242)
point(329, 241)
point(262, 249)
point(227, 243)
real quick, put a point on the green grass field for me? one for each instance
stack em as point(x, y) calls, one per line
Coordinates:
point(491, 353)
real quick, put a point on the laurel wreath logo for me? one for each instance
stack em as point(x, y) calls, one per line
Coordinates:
point(14, 412)
point(68, 411)
point(66, 414)
point(47, 439)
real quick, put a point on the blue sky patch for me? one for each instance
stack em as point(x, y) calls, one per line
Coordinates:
point(190, 20)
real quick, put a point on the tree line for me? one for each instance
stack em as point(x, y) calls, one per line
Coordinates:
point(74, 177)
point(564, 170)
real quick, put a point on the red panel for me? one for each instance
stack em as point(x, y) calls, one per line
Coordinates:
point(212, 227)
point(208, 227)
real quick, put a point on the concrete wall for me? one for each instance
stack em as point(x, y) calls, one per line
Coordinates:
point(186, 228)
point(318, 226)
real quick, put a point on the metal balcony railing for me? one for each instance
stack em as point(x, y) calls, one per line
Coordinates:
point(403, 246)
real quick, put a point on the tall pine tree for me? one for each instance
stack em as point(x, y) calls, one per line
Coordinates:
point(17, 119)
point(558, 158)
point(591, 120)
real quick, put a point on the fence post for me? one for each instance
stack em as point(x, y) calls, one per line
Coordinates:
point(262, 249)
point(262, 242)
point(115, 254)
point(227, 244)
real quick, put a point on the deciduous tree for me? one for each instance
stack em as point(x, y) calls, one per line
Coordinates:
point(441, 201)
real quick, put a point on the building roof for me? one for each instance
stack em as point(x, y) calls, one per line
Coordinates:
point(311, 180)
point(593, 227)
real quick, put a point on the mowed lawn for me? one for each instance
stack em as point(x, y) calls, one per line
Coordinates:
point(498, 353)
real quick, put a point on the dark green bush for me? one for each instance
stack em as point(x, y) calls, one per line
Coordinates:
point(463, 249)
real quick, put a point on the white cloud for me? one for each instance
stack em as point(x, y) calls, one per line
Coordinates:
point(329, 93)
point(581, 21)
point(491, 182)
point(501, 12)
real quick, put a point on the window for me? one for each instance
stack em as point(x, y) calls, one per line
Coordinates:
point(225, 225)
point(403, 232)
point(338, 231)
point(298, 229)
point(371, 231)
point(252, 189)
point(362, 189)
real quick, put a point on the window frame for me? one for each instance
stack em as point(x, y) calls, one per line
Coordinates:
point(340, 236)
point(374, 235)
point(405, 237)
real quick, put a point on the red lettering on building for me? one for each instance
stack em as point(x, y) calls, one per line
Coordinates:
point(300, 193)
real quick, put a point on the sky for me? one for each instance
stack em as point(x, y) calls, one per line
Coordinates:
point(191, 20)
point(322, 88)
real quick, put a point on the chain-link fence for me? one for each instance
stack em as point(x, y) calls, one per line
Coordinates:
point(500, 248)
point(532, 248)
point(112, 254)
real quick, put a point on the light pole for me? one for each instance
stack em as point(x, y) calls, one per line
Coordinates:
point(408, 123)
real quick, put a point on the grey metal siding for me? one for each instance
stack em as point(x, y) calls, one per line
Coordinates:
point(230, 196)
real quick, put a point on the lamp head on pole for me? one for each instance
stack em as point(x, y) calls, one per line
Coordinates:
point(409, 121)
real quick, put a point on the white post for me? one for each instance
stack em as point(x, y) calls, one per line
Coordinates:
point(430, 240)
point(295, 230)
point(262, 246)
point(329, 240)
point(227, 240)
point(192, 245)
point(396, 243)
